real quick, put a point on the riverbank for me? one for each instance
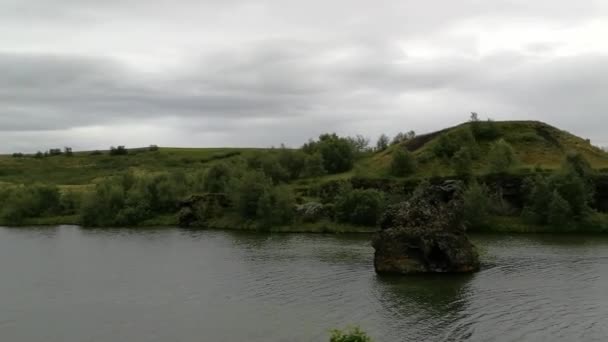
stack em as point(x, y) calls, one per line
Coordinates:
point(496, 224)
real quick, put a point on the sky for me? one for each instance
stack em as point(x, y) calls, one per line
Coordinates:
point(92, 74)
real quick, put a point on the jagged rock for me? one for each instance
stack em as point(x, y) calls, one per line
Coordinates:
point(425, 234)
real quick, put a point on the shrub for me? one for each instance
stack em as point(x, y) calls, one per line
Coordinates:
point(217, 178)
point(31, 201)
point(276, 207)
point(314, 166)
point(360, 207)
point(462, 162)
point(449, 143)
point(501, 157)
point(487, 130)
point(153, 148)
point(338, 153)
point(248, 191)
point(350, 335)
point(382, 143)
point(118, 151)
point(293, 161)
point(476, 205)
point(403, 163)
point(559, 212)
point(577, 163)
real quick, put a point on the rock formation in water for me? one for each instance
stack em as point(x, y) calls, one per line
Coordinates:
point(425, 234)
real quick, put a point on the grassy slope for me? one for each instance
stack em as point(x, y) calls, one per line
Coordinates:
point(535, 144)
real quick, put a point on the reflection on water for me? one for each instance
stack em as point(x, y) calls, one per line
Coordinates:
point(72, 284)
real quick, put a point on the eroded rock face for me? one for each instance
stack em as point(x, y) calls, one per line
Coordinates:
point(425, 234)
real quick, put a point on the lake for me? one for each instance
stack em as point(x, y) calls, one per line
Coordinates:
point(71, 284)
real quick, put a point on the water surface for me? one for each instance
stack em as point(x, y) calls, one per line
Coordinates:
point(70, 284)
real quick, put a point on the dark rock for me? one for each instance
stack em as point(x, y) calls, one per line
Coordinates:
point(425, 234)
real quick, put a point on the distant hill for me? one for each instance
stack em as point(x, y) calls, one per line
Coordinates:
point(536, 144)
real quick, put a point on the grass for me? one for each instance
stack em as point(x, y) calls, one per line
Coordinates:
point(536, 145)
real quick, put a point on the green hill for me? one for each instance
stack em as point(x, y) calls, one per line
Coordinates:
point(536, 144)
point(247, 188)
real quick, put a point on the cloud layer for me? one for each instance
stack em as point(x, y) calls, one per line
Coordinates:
point(90, 74)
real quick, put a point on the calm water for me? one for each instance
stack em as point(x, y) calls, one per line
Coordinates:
point(68, 284)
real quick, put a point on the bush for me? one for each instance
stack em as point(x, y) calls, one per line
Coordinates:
point(449, 143)
point(31, 201)
point(501, 157)
point(476, 206)
point(99, 207)
point(360, 207)
point(559, 212)
point(403, 163)
point(487, 130)
point(276, 207)
point(382, 143)
point(462, 162)
point(338, 153)
point(118, 151)
point(314, 166)
point(217, 178)
point(349, 335)
point(248, 191)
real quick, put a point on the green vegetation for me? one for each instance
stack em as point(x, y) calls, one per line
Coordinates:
point(349, 335)
point(524, 175)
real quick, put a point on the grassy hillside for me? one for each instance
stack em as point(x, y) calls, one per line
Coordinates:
point(536, 144)
point(59, 188)
point(85, 168)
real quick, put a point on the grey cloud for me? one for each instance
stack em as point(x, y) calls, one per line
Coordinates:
point(280, 71)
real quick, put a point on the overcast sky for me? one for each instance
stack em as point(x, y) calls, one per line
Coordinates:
point(90, 73)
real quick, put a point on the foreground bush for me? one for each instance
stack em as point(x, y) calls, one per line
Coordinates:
point(349, 335)
point(360, 207)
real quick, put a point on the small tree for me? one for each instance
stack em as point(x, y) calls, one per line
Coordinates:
point(382, 143)
point(476, 205)
point(403, 164)
point(559, 211)
point(314, 166)
point(68, 151)
point(501, 157)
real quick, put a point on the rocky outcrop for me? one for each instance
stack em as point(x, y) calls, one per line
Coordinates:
point(425, 234)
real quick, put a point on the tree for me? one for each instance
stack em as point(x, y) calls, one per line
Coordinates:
point(403, 163)
point(276, 207)
point(401, 137)
point(577, 163)
point(217, 178)
point(559, 211)
point(382, 143)
point(476, 205)
point(248, 192)
point(293, 161)
point(68, 151)
point(118, 151)
point(501, 157)
point(314, 166)
point(360, 207)
point(359, 143)
point(338, 155)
